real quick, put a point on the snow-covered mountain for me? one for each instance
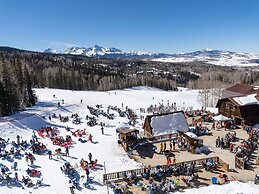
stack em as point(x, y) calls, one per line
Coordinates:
point(216, 57)
point(50, 50)
point(98, 51)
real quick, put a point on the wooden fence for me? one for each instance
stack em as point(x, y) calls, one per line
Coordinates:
point(239, 163)
point(118, 176)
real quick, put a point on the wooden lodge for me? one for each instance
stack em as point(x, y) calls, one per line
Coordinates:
point(241, 103)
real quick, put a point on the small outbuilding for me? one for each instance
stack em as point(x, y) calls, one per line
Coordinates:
point(128, 137)
point(192, 140)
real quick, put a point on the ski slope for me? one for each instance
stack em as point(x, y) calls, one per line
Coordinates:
point(104, 147)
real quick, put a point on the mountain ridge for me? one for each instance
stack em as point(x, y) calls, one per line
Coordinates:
point(216, 57)
point(210, 56)
point(97, 50)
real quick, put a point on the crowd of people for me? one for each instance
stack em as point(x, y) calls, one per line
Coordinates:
point(20, 149)
point(247, 147)
point(227, 142)
point(158, 180)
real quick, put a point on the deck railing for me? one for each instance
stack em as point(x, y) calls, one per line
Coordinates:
point(117, 176)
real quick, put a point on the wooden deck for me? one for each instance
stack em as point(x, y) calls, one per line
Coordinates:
point(118, 176)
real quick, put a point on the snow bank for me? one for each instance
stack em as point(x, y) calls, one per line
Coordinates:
point(233, 187)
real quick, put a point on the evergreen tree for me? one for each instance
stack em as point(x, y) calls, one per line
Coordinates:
point(3, 98)
point(12, 100)
point(30, 94)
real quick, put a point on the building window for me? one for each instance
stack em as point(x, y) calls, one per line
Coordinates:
point(227, 105)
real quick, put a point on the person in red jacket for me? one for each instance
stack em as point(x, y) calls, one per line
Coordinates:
point(90, 138)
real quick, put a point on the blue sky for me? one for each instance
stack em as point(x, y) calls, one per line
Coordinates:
point(169, 26)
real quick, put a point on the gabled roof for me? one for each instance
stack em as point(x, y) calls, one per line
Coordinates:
point(240, 94)
point(167, 123)
point(241, 89)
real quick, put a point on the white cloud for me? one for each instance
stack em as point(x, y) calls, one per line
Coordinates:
point(58, 45)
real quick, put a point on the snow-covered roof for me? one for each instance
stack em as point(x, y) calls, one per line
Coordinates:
point(246, 100)
point(167, 124)
point(191, 134)
point(123, 125)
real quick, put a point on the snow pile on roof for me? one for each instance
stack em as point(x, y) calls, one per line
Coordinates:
point(245, 100)
point(191, 134)
point(167, 124)
point(123, 125)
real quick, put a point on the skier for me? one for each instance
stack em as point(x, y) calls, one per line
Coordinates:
point(16, 177)
point(50, 154)
point(90, 157)
point(102, 129)
point(58, 153)
point(18, 139)
point(67, 151)
point(32, 161)
point(87, 173)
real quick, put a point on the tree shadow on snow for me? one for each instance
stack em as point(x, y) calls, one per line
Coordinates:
point(72, 157)
point(99, 165)
point(10, 184)
point(90, 187)
point(89, 184)
point(44, 104)
point(42, 185)
point(35, 166)
point(62, 108)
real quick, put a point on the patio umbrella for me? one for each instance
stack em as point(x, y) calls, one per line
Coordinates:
point(221, 118)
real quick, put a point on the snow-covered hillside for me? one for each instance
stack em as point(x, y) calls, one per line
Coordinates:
point(104, 146)
point(215, 57)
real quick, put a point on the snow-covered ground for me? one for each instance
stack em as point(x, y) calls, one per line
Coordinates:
point(234, 60)
point(104, 147)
